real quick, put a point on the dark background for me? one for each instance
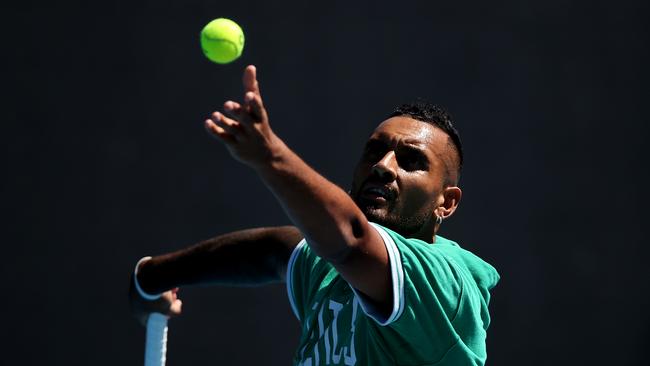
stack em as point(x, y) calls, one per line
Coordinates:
point(105, 160)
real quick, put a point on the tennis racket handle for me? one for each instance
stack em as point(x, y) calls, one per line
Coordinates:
point(155, 351)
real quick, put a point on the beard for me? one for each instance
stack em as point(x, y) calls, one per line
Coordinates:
point(387, 217)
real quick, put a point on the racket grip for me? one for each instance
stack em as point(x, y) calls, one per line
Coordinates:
point(155, 351)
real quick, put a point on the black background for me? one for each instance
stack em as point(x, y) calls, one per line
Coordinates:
point(105, 160)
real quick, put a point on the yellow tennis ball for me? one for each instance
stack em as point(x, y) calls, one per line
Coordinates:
point(222, 41)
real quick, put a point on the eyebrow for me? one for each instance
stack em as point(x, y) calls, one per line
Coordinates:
point(413, 148)
point(409, 145)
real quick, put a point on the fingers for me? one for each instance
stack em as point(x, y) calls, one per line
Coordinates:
point(255, 106)
point(176, 308)
point(222, 126)
point(252, 95)
point(233, 108)
point(250, 80)
point(172, 305)
point(228, 124)
point(241, 117)
point(217, 131)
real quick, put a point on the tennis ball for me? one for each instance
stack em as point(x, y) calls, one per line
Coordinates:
point(222, 41)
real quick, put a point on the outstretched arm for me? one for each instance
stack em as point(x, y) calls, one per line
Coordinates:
point(334, 226)
point(248, 257)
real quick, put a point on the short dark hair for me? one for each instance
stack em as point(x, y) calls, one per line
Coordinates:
point(437, 116)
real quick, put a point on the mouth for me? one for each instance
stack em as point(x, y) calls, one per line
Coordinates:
point(378, 193)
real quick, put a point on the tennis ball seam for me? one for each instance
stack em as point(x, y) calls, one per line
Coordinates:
point(239, 49)
point(227, 41)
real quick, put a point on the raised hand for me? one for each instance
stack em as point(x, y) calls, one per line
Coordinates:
point(244, 128)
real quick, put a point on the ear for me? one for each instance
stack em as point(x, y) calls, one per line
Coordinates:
point(450, 199)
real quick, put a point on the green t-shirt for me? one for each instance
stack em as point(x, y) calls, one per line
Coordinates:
point(439, 315)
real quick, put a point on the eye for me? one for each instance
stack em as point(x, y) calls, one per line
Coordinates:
point(411, 160)
point(373, 151)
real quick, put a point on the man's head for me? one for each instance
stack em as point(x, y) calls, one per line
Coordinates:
point(408, 173)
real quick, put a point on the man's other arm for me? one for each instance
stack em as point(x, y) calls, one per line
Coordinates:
point(242, 258)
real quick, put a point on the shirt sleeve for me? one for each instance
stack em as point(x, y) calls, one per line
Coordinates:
point(306, 273)
point(397, 283)
point(295, 300)
point(428, 287)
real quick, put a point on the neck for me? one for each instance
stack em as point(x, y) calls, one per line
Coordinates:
point(427, 232)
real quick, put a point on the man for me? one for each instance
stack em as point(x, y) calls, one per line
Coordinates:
point(367, 276)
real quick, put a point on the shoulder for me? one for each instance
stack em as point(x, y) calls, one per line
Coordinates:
point(420, 255)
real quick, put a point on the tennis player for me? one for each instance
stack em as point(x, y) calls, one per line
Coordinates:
point(367, 275)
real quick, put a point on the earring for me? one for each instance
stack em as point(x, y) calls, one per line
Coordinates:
point(438, 220)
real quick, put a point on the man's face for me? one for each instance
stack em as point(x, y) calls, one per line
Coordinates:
point(400, 177)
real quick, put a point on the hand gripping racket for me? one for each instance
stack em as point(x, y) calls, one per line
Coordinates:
point(155, 349)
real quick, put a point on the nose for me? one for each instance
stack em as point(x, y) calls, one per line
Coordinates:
point(386, 168)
